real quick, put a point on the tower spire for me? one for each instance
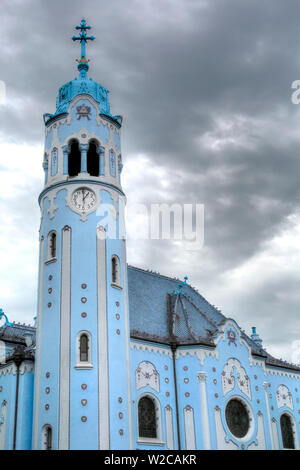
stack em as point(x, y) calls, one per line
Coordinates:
point(83, 38)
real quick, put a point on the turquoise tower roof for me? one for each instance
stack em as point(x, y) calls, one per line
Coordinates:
point(82, 84)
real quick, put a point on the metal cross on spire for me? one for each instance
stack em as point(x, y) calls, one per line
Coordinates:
point(83, 38)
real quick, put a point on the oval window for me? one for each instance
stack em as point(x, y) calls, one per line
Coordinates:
point(237, 418)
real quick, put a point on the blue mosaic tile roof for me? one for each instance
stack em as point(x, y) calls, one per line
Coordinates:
point(148, 293)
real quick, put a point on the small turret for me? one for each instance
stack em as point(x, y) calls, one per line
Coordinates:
point(255, 337)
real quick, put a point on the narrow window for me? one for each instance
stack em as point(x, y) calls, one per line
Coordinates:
point(93, 159)
point(47, 437)
point(52, 245)
point(115, 270)
point(84, 347)
point(147, 418)
point(74, 159)
point(287, 432)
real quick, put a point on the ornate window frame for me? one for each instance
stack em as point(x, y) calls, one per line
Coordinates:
point(154, 441)
point(84, 364)
point(251, 429)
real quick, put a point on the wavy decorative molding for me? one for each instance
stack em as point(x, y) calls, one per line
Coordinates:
point(26, 366)
point(201, 354)
point(154, 349)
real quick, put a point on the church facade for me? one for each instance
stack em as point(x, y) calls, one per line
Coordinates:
point(120, 357)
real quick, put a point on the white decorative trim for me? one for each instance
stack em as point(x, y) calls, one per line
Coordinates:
point(26, 366)
point(127, 335)
point(275, 436)
point(38, 348)
point(220, 334)
point(200, 353)
point(189, 428)
point(169, 427)
point(103, 399)
point(9, 369)
point(258, 362)
point(150, 348)
point(266, 385)
point(284, 397)
point(291, 375)
point(204, 410)
point(65, 323)
point(147, 375)
point(260, 442)
point(85, 96)
point(228, 379)
point(222, 444)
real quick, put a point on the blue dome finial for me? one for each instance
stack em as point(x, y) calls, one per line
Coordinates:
point(83, 38)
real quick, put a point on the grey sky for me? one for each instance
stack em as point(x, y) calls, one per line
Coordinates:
point(205, 91)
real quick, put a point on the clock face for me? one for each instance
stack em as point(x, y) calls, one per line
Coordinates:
point(84, 199)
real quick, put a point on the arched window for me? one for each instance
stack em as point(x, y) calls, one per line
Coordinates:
point(93, 159)
point(287, 431)
point(52, 245)
point(84, 350)
point(74, 159)
point(147, 418)
point(47, 437)
point(115, 270)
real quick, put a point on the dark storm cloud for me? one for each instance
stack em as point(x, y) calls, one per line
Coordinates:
point(205, 90)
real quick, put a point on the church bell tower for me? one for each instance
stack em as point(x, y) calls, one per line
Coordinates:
point(82, 390)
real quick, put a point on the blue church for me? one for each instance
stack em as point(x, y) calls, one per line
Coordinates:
point(121, 357)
